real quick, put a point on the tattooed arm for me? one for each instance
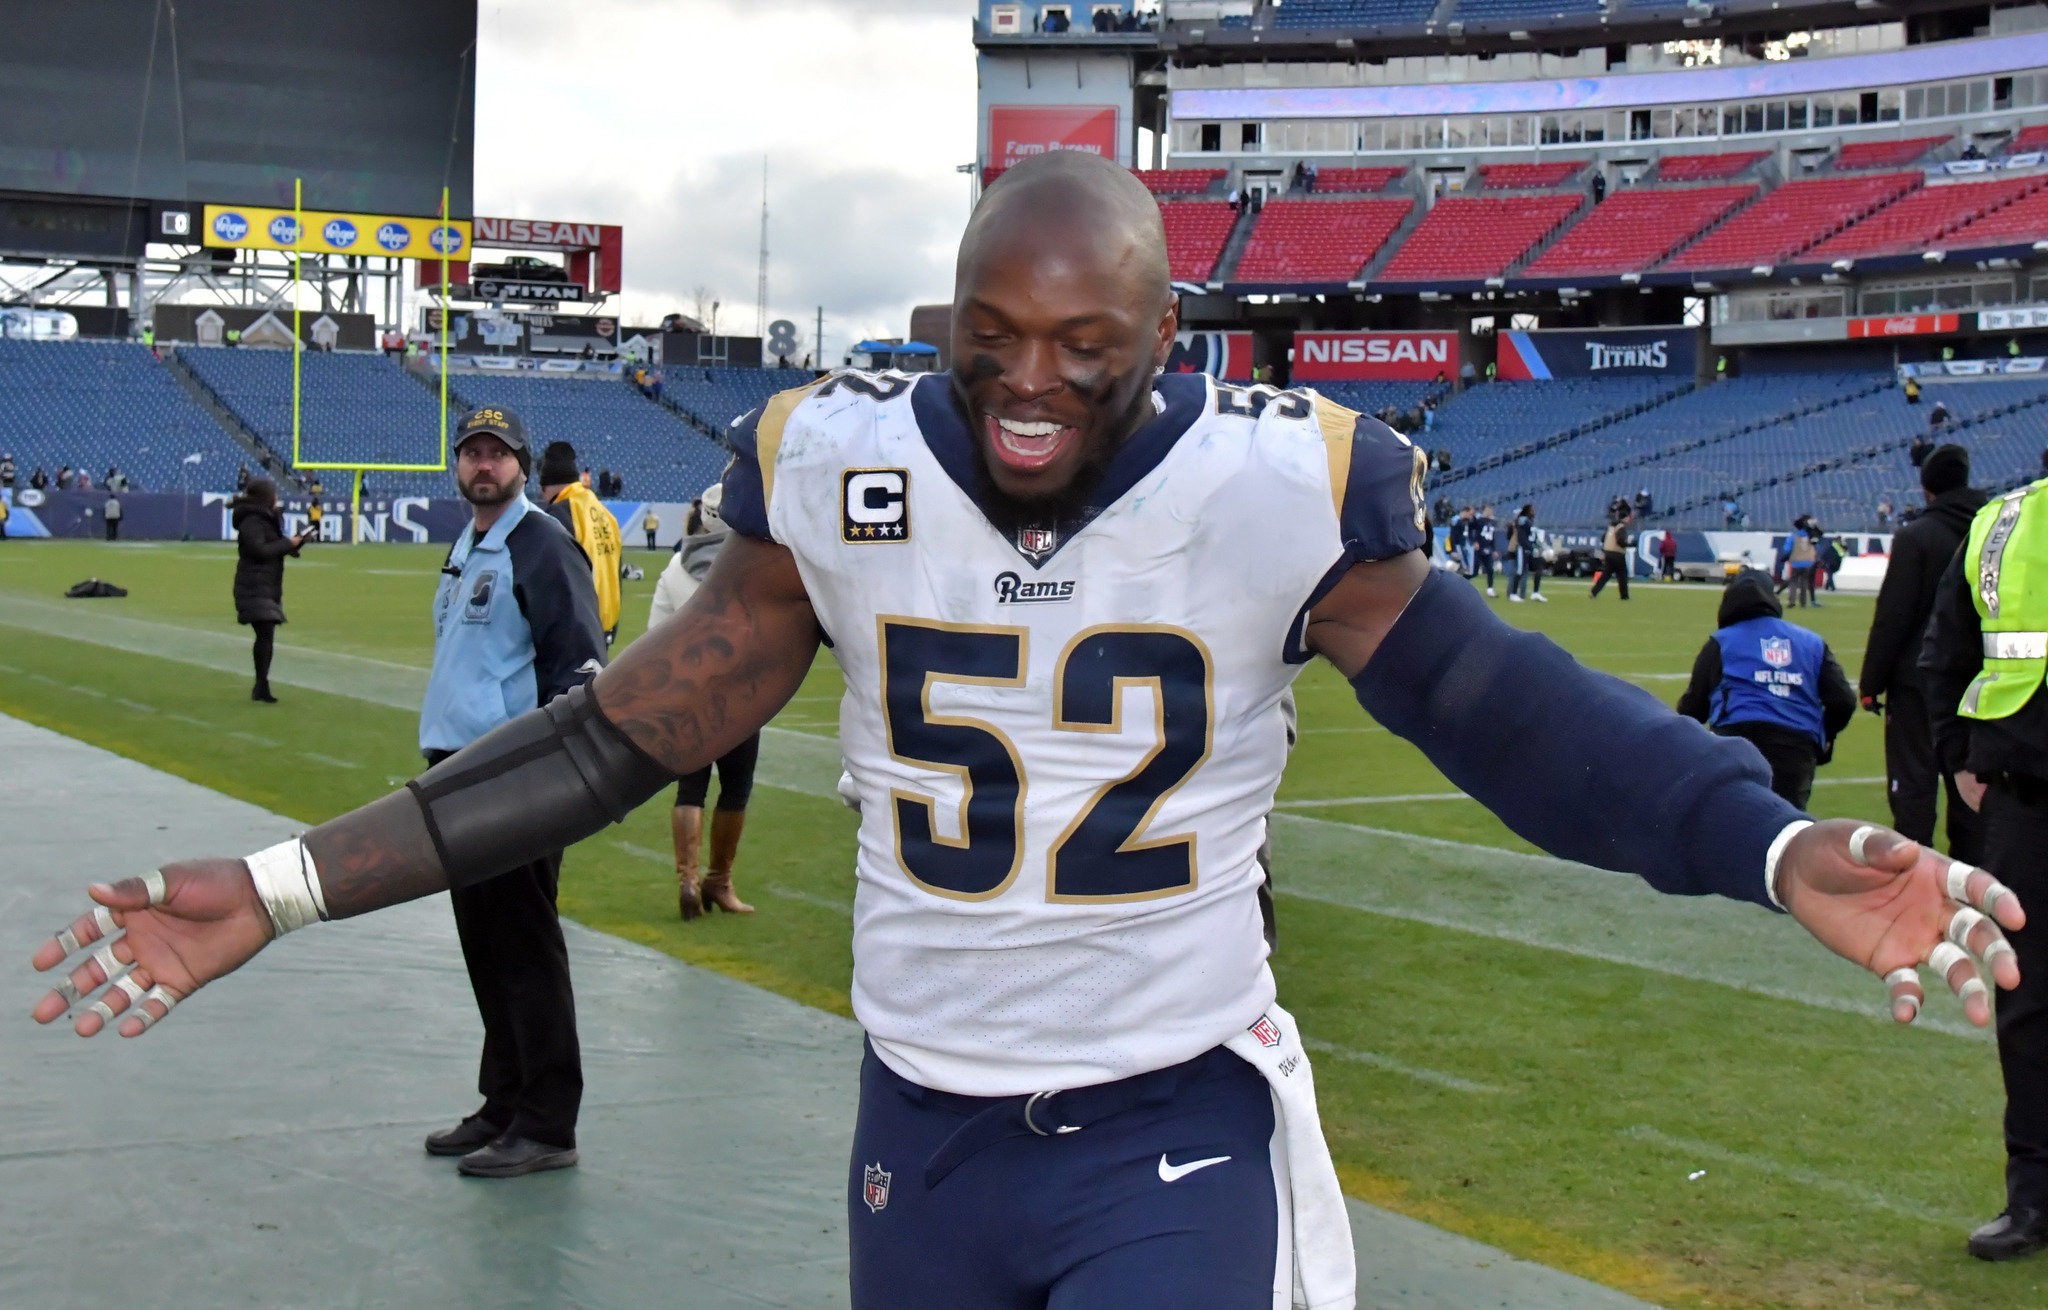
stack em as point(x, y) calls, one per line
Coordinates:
point(688, 692)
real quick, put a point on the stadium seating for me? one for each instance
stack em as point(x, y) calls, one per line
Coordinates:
point(1179, 181)
point(1196, 232)
point(1921, 219)
point(1334, 14)
point(1708, 168)
point(1886, 154)
point(2029, 139)
point(714, 397)
point(1525, 11)
point(2021, 222)
point(1330, 180)
point(1796, 216)
point(1527, 177)
point(612, 427)
point(1483, 425)
point(91, 404)
point(353, 408)
point(1632, 230)
point(1318, 241)
point(1376, 397)
point(1470, 238)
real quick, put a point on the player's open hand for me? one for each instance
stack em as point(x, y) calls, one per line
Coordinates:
point(1891, 905)
point(152, 942)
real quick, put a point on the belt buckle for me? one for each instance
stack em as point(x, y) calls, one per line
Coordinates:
point(1031, 1104)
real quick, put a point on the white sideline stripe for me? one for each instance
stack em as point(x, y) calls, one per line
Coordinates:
point(1858, 1193)
point(1388, 1064)
point(1371, 800)
point(1546, 912)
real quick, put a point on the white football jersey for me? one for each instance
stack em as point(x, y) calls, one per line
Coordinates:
point(1065, 738)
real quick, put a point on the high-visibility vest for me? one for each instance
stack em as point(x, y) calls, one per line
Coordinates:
point(2008, 574)
point(598, 533)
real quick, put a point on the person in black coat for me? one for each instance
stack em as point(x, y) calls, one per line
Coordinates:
point(1772, 683)
point(260, 548)
point(1890, 683)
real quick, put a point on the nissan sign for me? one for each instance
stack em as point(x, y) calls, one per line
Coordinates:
point(1364, 356)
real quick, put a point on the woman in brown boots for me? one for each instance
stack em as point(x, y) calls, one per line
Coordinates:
point(699, 890)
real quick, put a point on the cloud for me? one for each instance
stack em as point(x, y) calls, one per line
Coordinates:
point(656, 114)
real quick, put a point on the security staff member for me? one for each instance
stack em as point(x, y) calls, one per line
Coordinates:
point(1890, 681)
point(1982, 667)
point(572, 503)
point(1772, 683)
point(515, 625)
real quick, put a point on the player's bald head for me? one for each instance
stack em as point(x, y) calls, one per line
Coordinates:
point(1070, 212)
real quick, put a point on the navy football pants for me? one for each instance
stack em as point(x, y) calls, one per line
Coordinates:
point(1099, 1219)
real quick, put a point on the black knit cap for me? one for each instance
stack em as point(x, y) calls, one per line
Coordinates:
point(1946, 469)
point(558, 465)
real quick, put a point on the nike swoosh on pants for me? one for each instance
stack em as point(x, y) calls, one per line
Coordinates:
point(1173, 1173)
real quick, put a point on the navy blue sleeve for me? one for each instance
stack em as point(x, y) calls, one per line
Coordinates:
point(1383, 514)
point(745, 504)
point(1555, 750)
point(552, 583)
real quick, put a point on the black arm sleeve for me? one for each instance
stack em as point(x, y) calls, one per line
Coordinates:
point(551, 581)
point(1891, 625)
point(1837, 697)
point(1951, 655)
point(1554, 749)
point(541, 783)
point(1697, 700)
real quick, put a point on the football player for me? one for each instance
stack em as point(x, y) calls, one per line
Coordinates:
point(1067, 594)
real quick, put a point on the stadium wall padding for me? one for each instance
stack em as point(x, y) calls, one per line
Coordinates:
point(169, 516)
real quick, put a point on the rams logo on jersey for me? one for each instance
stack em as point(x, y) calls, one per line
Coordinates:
point(1013, 590)
point(874, 506)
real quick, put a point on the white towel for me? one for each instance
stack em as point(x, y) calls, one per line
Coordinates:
point(1321, 1273)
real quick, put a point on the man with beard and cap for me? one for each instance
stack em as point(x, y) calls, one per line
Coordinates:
point(1772, 683)
point(1890, 683)
point(515, 626)
point(595, 528)
point(1067, 595)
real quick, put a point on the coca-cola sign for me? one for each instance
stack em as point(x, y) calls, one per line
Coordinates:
point(1904, 325)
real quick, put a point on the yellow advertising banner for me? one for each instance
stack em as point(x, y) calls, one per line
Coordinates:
point(253, 227)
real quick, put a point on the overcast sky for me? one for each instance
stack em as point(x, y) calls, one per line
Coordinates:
point(657, 114)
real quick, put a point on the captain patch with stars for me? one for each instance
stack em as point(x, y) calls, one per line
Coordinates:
point(874, 506)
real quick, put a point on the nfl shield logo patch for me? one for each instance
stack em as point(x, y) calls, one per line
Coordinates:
point(1267, 1032)
point(874, 1188)
point(1778, 652)
point(1037, 542)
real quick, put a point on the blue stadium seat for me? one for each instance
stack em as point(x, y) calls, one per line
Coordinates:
point(612, 427)
point(92, 404)
point(717, 396)
point(1337, 14)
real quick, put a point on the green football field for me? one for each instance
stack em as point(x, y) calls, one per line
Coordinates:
point(1687, 1100)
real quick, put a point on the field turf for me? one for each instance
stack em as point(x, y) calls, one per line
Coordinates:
point(1686, 1100)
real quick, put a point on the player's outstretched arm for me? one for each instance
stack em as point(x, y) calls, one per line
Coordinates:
point(691, 690)
point(1563, 754)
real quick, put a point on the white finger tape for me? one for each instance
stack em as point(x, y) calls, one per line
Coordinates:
point(1992, 893)
point(110, 965)
point(161, 997)
point(1962, 925)
point(1959, 880)
point(1946, 956)
point(1898, 977)
point(1973, 987)
point(154, 882)
point(1858, 838)
point(1999, 946)
point(1911, 1000)
point(69, 992)
point(103, 919)
point(130, 988)
point(103, 1010)
point(68, 940)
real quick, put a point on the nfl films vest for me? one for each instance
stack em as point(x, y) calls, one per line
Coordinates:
point(1770, 673)
point(2008, 562)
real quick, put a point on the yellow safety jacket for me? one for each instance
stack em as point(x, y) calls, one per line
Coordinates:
point(598, 533)
point(2008, 573)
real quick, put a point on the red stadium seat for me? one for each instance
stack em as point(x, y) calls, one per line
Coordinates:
point(1631, 230)
point(1179, 181)
point(1795, 217)
point(1923, 218)
point(1468, 238)
point(2023, 221)
point(1318, 240)
point(2029, 139)
point(1707, 168)
point(1342, 180)
point(1886, 154)
point(1196, 232)
point(1526, 177)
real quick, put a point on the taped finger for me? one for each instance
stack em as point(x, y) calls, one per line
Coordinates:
point(153, 882)
point(1962, 924)
point(1959, 880)
point(111, 965)
point(1946, 956)
point(69, 941)
point(1857, 840)
point(150, 1018)
point(103, 919)
point(1905, 991)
